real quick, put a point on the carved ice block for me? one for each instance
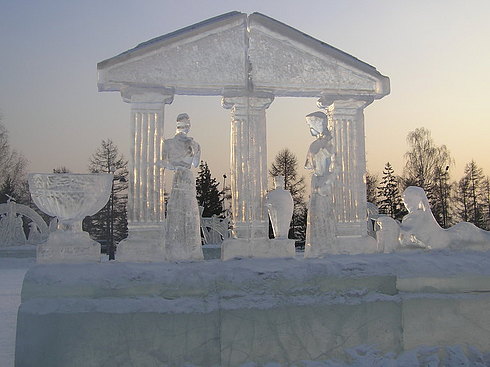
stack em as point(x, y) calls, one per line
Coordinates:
point(70, 198)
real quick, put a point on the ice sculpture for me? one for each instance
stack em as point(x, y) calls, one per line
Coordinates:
point(182, 236)
point(320, 231)
point(372, 214)
point(214, 229)
point(70, 198)
point(279, 203)
point(12, 219)
point(419, 229)
point(387, 234)
point(11, 228)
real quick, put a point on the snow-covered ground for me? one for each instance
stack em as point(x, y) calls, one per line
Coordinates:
point(12, 271)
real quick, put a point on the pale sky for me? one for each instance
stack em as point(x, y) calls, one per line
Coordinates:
point(435, 52)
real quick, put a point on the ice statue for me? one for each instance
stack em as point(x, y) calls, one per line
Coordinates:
point(388, 234)
point(320, 230)
point(419, 228)
point(182, 236)
point(11, 226)
point(70, 197)
point(372, 214)
point(279, 203)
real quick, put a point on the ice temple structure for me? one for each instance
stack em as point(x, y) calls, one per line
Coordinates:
point(247, 312)
point(249, 60)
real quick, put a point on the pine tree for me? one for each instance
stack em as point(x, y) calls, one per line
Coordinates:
point(208, 195)
point(461, 199)
point(372, 182)
point(441, 197)
point(110, 223)
point(471, 195)
point(285, 164)
point(389, 198)
point(486, 203)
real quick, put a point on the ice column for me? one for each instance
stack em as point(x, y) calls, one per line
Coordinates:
point(248, 164)
point(347, 119)
point(145, 189)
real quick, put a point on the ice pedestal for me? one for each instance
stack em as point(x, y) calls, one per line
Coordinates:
point(68, 247)
point(214, 313)
point(259, 248)
point(143, 245)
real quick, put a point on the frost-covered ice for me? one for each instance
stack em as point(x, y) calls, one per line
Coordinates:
point(419, 229)
point(230, 313)
point(12, 271)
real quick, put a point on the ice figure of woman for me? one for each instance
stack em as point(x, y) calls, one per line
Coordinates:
point(279, 203)
point(320, 230)
point(180, 153)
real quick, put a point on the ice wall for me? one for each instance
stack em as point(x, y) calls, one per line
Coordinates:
point(230, 313)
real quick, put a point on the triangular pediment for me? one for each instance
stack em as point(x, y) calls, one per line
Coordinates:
point(200, 59)
point(239, 52)
point(290, 62)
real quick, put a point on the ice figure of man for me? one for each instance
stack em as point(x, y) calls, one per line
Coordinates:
point(320, 230)
point(180, 153)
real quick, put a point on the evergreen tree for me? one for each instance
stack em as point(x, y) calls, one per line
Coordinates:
point(110, 223)
point(486, 203)
point(389, 198)
point(285, 164)
point(208, 195)
point(461, 199)
point(372, 183)
point(441, 197)
point(470, 199)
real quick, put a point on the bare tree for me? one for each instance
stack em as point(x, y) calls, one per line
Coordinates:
point(13, 178)
point(427, 165)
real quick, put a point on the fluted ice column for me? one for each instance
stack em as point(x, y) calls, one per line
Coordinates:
point(347, 119)
point(145, 190)
point(249, 182)
point(248, 165)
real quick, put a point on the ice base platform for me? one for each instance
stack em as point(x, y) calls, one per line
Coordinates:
point(229, 313)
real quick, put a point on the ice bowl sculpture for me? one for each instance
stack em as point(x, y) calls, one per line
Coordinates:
point(70, 197)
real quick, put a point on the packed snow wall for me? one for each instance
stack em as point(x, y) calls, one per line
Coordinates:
point(216, 313)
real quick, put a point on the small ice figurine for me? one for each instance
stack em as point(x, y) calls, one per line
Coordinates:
point(183, 237)
point(280, 205)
